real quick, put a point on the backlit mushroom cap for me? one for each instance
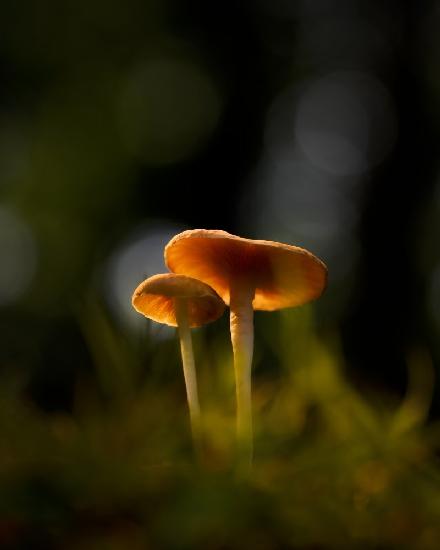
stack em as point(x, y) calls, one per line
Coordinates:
point(283, 275)
point(155, 299)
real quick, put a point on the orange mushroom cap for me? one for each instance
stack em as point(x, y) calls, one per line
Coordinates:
point(283, 275)
point(155, 299)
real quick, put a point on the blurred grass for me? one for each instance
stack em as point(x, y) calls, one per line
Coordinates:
point(332, 469)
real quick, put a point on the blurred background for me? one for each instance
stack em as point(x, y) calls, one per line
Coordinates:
point(123, 123)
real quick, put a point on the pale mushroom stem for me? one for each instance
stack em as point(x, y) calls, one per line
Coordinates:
point(242, 337)
point(189, 370)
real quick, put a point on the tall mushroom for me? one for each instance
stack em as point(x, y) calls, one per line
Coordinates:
point(249, 275)
point(182, 302)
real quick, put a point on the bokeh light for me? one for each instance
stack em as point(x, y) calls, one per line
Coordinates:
point(345, 123)
point(18, 255)
point(138, 257)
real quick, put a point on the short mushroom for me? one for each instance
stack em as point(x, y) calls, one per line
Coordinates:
point(182, 302)
point(248, 274)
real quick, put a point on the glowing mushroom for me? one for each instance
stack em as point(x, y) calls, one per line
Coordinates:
point(248, 274)
point(182, 302)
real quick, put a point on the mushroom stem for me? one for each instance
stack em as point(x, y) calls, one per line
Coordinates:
point(189, 370)
point(242, 337)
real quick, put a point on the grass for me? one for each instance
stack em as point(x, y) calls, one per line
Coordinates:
point(332, 469)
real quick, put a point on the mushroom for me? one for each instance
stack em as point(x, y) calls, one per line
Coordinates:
point(249, 275)
point(182, 302)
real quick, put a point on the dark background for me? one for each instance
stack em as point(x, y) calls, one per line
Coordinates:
point(122, 123)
